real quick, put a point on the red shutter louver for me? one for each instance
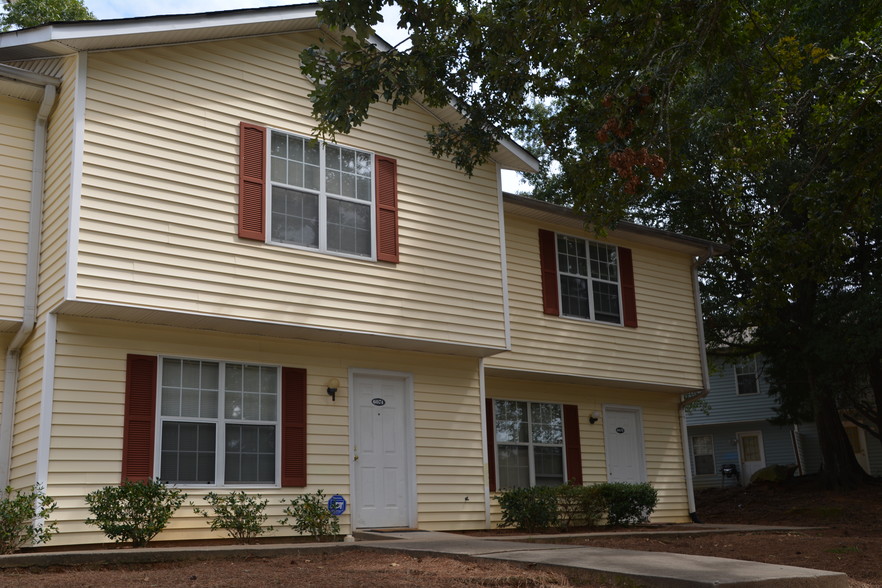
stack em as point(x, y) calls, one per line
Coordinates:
point(548, 266)
point(491, 445)
point(252, 182)
point(629, 295)
point(138, 423)
point(572, 444)
point(293, 427)
point(387, 208)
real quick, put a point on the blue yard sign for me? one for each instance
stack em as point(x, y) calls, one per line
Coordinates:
point(337, 505)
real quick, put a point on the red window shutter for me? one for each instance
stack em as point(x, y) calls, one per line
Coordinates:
point(491, 444)
point(548, 265)
point(293, 427)
point(387, 208)
point(252, 182)
point(629, 297)
point(572, 443)
point(138, 424)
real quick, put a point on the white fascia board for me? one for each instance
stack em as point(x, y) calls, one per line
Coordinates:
point(69, 33)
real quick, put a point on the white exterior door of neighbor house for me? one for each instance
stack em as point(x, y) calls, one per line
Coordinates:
point(858, 444)
point(750, 453)
point(623, 436)
point(382, 437)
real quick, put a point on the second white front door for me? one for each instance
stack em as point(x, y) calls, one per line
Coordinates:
point(623, 436)
point(380, 413)
point(751, 454)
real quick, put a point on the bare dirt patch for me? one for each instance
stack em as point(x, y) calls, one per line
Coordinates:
point(850, 542)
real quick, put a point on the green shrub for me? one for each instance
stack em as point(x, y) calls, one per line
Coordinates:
point(579, 505)
point(310, 516)
point(628, 504)
point(240, 515)
point(133, 511)
point(529, 509)
point(23, 518)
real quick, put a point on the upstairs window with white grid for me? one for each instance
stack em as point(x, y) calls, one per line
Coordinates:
point(321, 195)
point(589, 280)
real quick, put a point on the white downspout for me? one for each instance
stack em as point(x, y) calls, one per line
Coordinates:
point(32, 265)
point(482, 397)
point(705, 382)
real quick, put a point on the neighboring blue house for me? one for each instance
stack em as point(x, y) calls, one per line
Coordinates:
point(736, 430)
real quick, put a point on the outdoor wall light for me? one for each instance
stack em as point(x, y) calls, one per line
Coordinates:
point(333, 384)
point(595, 416)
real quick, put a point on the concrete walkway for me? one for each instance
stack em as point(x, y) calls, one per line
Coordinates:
point(627, 568)
point(643, 568)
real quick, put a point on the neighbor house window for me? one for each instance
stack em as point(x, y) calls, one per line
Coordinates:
point(218, 422)
point(745, 377)
point(703, 454)
point(529, 443)
point(589, 279)
point(321, 195)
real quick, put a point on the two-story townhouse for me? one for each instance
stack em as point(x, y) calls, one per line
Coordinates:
point(734, 428)
point(223, 303)
point(603, 338)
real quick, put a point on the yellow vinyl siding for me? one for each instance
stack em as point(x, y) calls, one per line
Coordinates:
point(662, 350)
point(5, 338)
point(57, 188)
point(89, 404)
point(28, 410)
point(661, 435)
point(16, 162)
point(57, 180)
point(160, 201)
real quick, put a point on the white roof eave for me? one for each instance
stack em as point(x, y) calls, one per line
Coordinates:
point(58, 39)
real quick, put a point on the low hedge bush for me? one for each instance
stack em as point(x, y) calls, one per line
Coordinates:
point(133, 511)
point(569, 505)
point(529, 509)
point(24, 518)
point(628, 504)
point(240, 515)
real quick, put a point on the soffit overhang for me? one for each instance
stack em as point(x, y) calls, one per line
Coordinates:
point(553, 214)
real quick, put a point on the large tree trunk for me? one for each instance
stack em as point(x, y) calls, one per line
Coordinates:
point(841, 469)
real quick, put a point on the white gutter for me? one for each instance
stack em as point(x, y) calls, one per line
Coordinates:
point(32, 265)
point(705, 381)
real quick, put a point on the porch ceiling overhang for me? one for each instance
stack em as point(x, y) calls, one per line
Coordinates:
point(66, 38)
point(237, 326)
point(23, 84)
point(10, 326)
point(551, 377)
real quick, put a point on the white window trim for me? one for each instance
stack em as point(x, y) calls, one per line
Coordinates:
point(220, 430)
point(530, 444)
point(591, 281)
point(322, 200)
point(747, 363)
point(694, 455)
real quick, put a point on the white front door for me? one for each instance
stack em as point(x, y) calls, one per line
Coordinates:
point(623, 436)
point(750, 453)
point(382, 480)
